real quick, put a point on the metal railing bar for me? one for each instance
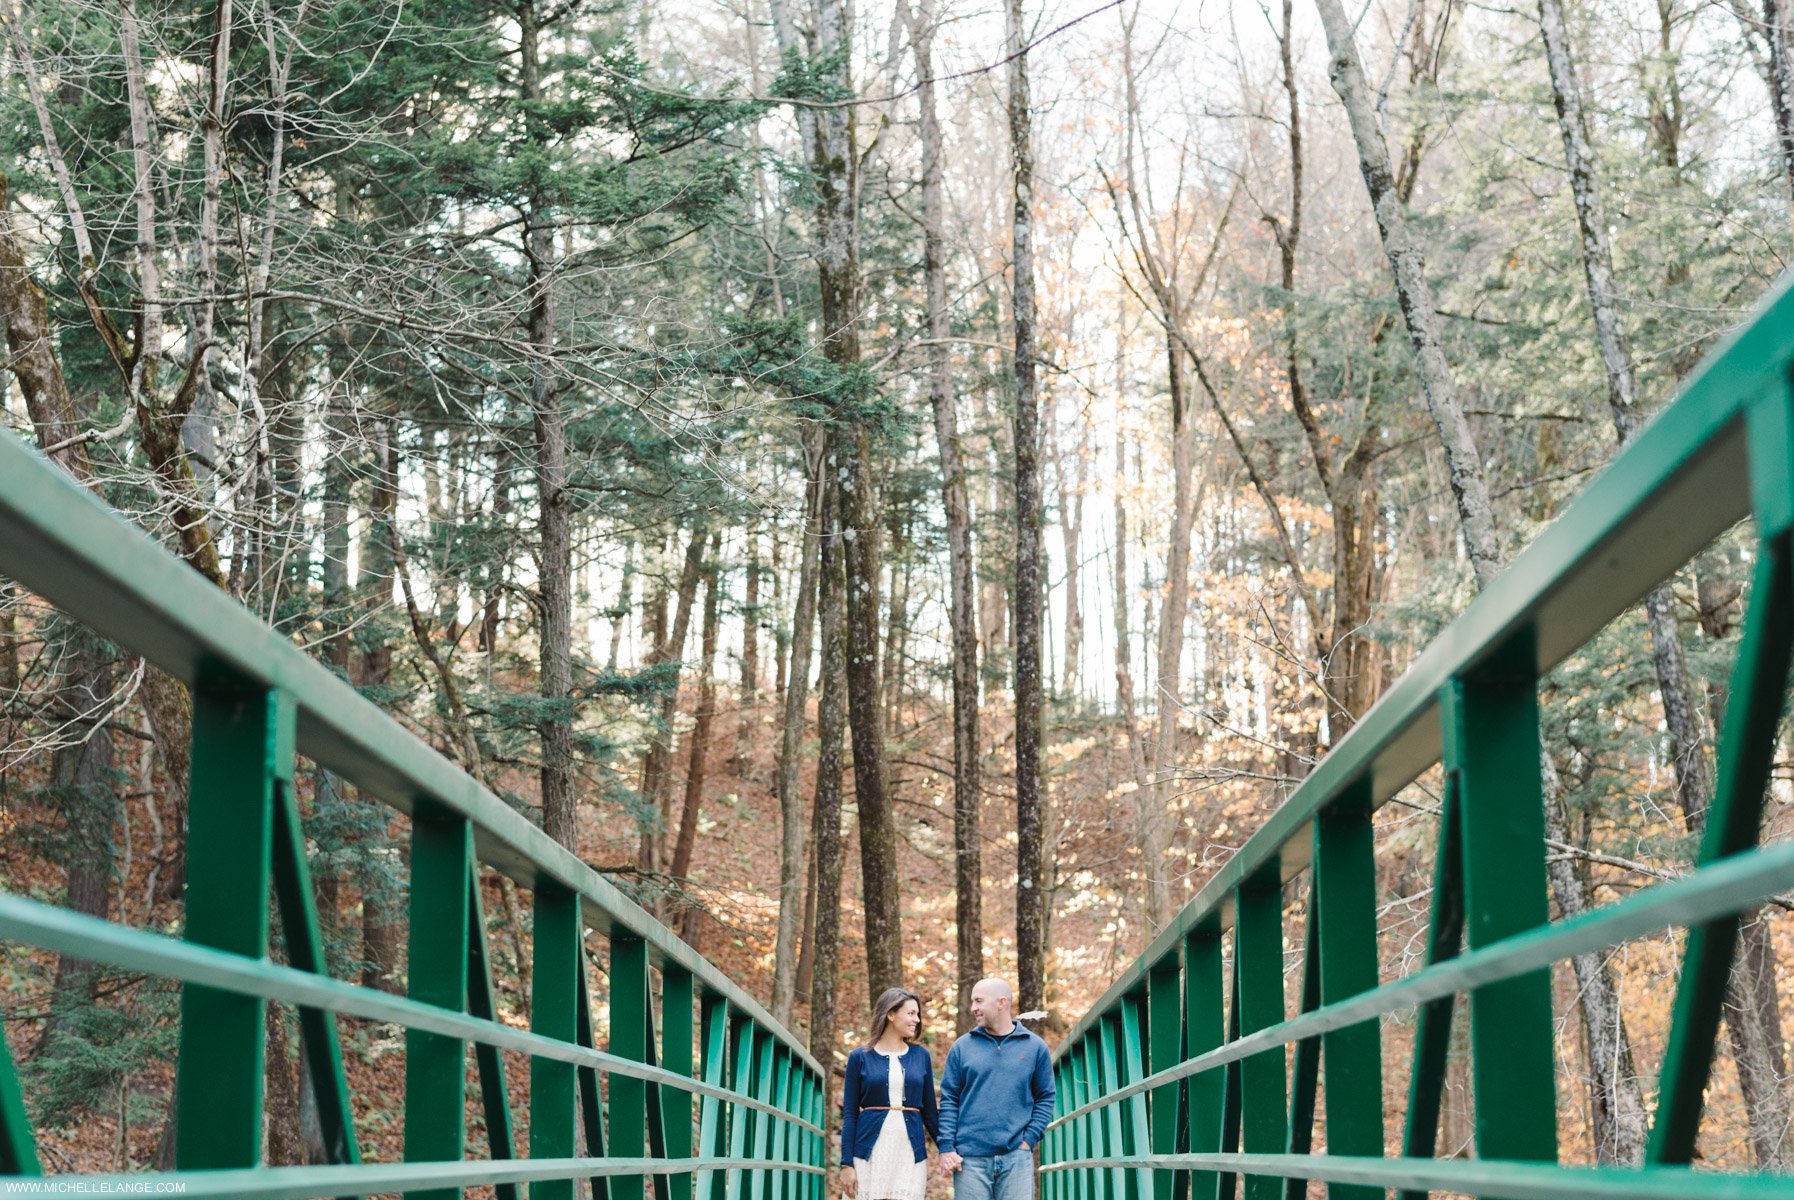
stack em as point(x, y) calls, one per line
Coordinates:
point(1725, 887)
point(307, 1183)
point(48, 927)
point(64, 543)
point(1682, 481)
point(1485, 1177)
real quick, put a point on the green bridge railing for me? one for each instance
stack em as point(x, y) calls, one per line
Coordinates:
point(1180, 1081)
point(706, 1097)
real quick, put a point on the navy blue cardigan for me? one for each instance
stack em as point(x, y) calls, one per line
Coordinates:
point(867, 1091)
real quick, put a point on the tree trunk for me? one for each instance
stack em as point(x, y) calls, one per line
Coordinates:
point(1071, 532)
point(837, 262)
point(1781, 83)
point(968, 874)
point(625, 606)
point(830, 722)
point(283, 1145)
point(657, 772)
point(878, 826)
point(81, 767)
point(1029, 787)
point(381, 905)
point(159, 422)
point(1761, 1083)
point(1156, 831)
point(785, 970)
point(700, 735)
point(1612, 1079)
point(750, 656)
point(554, 555)
point(1407, 264)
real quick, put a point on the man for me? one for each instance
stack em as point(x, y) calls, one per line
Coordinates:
point(996, 1100)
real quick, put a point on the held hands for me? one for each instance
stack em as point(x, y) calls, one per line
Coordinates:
point(952, 1161)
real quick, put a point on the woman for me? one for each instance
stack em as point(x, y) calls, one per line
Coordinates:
point(882, 1159)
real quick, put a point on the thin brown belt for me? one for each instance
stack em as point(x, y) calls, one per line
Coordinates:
point(887, 1108)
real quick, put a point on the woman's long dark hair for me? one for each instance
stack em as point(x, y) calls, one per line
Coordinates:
point(889, 1001)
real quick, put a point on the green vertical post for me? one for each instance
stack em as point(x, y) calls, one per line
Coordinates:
point(1052, 1148)
point(242, 744)
point(1205, 1028)
point(1746, 755)
point(1432, 1026)
point(1133, 1070)
point(1165, 1041)
point(1084, 1134)
point(766, 1055)
point(1113, 1183)
point(18, 1145)
point(321, 1053)
point(436, 1066)
point(741, 1075)
point(628, 1039)
point(677, 1001)
point(1258, 966)
point(1491, 727)
point(1344, 900)
point(785, 1072)
point(1306, 1075)
point(554, 1013)
point(818, 1141)
point(654, 1104)
point(713, 1115)
point(495, 1098)
point(1231, 1103)
point(591, 1103)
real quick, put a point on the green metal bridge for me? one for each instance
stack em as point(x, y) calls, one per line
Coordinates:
point(1187, 1079)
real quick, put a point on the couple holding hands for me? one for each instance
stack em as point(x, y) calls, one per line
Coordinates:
point(996, 1098)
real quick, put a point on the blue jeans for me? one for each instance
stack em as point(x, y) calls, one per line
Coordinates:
point(996, 1177)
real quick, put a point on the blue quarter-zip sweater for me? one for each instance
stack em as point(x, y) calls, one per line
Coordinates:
point(996, 1093)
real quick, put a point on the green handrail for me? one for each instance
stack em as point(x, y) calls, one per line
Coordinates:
point(1178, 1081)
point(702, 1043)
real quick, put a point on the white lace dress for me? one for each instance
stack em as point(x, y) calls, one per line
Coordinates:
point(892, 1173)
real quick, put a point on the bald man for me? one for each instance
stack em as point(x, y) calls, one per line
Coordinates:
point(996, 1100)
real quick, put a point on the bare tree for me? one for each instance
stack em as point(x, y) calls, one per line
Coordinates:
point(968, 874)
point(785, 969)
point(1030, 788)
point(1621, 1123)
point(1407, 263)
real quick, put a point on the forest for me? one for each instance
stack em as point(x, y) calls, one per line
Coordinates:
point(903, 489)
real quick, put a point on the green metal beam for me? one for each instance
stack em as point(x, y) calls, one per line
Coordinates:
point(64, 543)
point(713, 1131)
point(1747, 750)
point(1205, 1031)
point(1432, 1030)
point(556, 980)
point(1482, 1178)
point(1683, 480)
point(591, 1101)
point(242, 744)
point(628, 1039)
point(322, 1053)
point(1344, 900)
point(495, 1096)
point(435, 1064)
point(1165, 1034)
point(677, 1000)
point(320, 1183)
point(18, 1146)
point(1258, 969)
point(1492, 746)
